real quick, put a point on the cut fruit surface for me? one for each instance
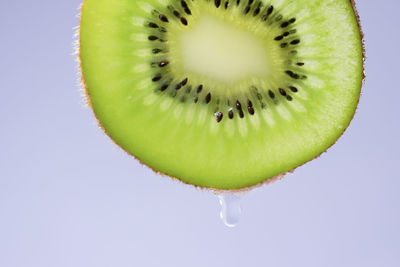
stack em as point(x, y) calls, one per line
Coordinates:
point(222, 94)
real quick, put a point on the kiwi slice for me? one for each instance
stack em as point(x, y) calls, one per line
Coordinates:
point(222, 94)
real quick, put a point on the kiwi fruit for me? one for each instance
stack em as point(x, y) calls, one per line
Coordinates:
point(222, 94)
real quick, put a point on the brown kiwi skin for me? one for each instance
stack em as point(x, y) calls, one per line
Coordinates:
point(217, 190)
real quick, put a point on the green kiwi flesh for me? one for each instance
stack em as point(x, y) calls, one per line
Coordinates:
point(222, 94)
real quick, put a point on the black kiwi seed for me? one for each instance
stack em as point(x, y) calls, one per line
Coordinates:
point(283, 45)
point(208, 98)
point(271, 94)
point(199, 89)
point(282, 92)
point(187, 10)
point(238, 105)
point(184, 21)
point(178, 86)
point(184, 4)
point(230, 113)
point(163, 63)
point(285, 24)
point(249, 103)
point(220, 115)
point(295, 42)
point(278, 38)
point(164, 87)
point(241, 114)
point(226, 4)
point(247, 9)
point(217, 3)
point(237, 2)
point(153, 38)
point(152, 25)
point(300, 64)
point(269, 10)
point(293, 89)
point(288, 97)
point(156, 78)
point(257, 10)
point(156, 50)
point(292, 20)
point(286, 34)
point(184, 82)
point(292, 74)
point(251, 110)
point(176, 13)
point(163, 18)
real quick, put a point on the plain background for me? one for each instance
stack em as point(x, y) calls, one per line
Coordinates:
point(69, 197)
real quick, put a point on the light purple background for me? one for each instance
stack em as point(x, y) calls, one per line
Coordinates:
point(69, 197)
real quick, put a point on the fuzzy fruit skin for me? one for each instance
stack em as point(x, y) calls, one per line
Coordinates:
point(218, 190)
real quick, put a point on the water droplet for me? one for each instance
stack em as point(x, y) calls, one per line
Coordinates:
point(231, 209)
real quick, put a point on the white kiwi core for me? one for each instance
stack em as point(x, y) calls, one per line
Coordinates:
point(219, 50)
